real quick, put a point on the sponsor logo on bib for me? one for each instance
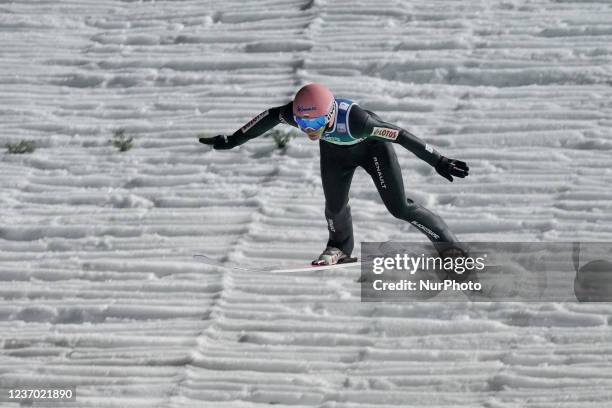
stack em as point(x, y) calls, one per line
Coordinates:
point(344, 105)
point(385, 133)
point(332, 138)
point(341, 128)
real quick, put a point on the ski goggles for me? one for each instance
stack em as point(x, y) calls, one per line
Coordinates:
point(314, 124)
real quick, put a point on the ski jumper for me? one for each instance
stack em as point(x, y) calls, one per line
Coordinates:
point(359, 138)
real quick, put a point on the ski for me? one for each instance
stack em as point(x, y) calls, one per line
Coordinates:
point(275, 269)
point(316, 267)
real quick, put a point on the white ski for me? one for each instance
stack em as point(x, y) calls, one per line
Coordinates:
point(316, 268)
point(271, 269)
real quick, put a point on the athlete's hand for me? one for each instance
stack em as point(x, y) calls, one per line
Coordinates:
point(448, 168)
point(218, 142)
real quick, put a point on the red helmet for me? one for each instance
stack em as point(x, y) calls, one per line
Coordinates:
point(313, 100)
point(314, 107)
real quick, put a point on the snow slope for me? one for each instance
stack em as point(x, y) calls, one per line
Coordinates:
point(99, 288)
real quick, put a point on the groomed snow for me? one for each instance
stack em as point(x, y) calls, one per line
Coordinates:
point(98, 285)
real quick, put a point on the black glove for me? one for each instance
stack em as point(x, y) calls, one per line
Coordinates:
point(448, 168)
point(218, 142)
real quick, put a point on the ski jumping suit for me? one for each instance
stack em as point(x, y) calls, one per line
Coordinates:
point(358, 138)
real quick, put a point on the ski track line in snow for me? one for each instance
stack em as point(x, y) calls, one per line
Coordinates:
point(99, 288)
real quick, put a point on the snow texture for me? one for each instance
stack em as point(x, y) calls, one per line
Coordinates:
point(98, 285)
